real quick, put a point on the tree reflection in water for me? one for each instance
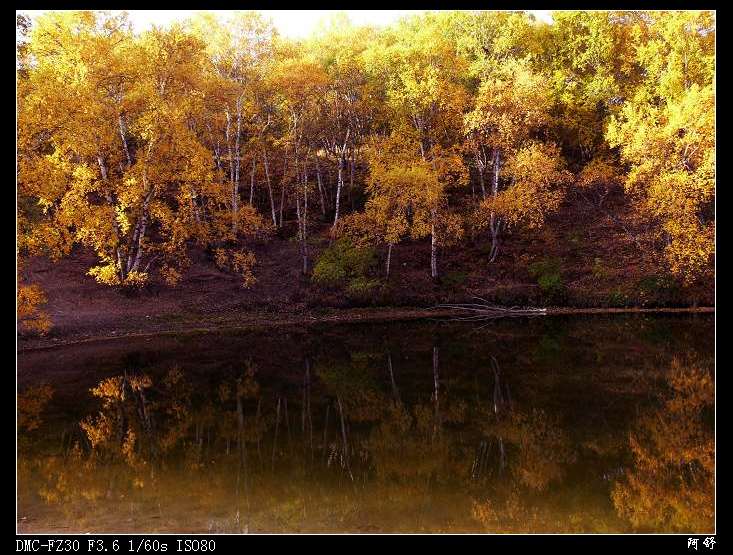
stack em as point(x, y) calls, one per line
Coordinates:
point(380, 441)
point(670, 484)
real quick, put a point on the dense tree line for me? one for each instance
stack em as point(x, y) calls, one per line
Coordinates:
point(441, 126)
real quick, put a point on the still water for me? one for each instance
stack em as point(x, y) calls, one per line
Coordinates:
point(554, 424)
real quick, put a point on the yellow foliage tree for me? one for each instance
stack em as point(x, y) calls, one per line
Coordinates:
point(512, 105)
point(537, 177)
point(109, 145)
point(666, 134)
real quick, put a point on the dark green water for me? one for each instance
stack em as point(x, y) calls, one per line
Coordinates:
point(555, 424)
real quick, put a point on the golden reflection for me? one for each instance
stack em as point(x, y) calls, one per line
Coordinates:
point(357, 446)
point(670, 484)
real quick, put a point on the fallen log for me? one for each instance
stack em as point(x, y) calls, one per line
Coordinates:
point(485, 311)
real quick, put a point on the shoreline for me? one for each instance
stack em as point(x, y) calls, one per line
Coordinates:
point(259, 320)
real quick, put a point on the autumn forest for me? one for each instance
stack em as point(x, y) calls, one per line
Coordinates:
point(439, 272)
point(446, 155)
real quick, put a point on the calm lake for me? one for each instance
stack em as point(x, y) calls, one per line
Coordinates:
point(548, 424)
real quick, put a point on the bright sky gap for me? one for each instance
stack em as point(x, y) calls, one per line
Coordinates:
point(290, 23)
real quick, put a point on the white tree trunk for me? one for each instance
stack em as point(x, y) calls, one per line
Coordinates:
point(320, 188)
point(252, 182)
point(230, 152)
point(494, 221)
point(305, 219)
point(481, 168)
point(342, 156)
point(389, 257)
point(269, 186)
point(433, 250)
point(235, 184)
point(115, 225)
point(123, 134)
point(282, 186)
point(143, 227)
point(436, 393)
point(338, 188)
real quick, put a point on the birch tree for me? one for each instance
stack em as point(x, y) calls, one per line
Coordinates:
point(512, 105)
point(419, 65)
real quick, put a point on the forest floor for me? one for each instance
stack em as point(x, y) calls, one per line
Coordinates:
point(600, 269)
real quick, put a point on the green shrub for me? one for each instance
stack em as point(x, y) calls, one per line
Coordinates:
point(549, 282)
point(548, 273)
point(545, 266)
point(361, 288)
point(617, 299)
point(342, 262)
point(329, 273)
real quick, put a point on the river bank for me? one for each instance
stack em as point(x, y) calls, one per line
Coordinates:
point(150, 327)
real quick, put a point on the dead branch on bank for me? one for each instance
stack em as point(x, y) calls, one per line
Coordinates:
point(485, 311)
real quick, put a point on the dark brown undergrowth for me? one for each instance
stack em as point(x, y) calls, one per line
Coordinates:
point(579, 260)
